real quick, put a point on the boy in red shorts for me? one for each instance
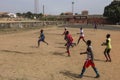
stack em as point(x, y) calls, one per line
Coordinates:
point(89, 60)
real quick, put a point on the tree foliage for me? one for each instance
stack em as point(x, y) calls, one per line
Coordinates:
point(112, 11)
point(30, 15)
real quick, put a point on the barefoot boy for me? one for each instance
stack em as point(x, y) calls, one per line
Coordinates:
point(108, 48)
point(69, 42)
point(89, 60)
point(81, 36)
point(41, 38)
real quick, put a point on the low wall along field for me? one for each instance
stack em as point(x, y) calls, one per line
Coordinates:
point(23, 24)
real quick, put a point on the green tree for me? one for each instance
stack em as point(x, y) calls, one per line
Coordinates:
point(19, 14)
point(112, 11)
point(62, 14)
point(29, 15)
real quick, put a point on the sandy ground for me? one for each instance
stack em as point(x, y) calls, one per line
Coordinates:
point(21, 60)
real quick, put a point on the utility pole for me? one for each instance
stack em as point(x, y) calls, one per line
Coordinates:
point(36, 6)
point(44, 18)
point(73, 7)
point(43, 10)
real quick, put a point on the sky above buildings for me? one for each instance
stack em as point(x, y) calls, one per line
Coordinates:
point(54, 6)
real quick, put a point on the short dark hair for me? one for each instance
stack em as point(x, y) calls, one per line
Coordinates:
point(67, 32)
point(80, 27)
point(88, 42)
point(41, 30)
point(108, 35)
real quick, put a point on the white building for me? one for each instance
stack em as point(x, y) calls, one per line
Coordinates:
point(12, 15)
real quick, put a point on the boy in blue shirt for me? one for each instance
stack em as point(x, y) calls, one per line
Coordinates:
point(41, 38)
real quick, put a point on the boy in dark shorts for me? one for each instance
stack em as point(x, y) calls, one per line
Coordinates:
point(41, 38)
point(89, 60)
point(69, 42)
point(95, 26)
point(108, 48)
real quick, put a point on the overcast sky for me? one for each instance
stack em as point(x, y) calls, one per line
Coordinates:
point(55, 6)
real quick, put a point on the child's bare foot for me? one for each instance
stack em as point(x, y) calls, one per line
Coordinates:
point(106, 60)
point(110, 60)
point(68, 55)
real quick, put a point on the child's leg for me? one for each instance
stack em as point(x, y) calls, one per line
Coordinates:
point(109, 55)
point(45, 42)
point(65, 44)
point(73, 44)
point(78, 40)
point(84, 40)
point(82, 72)
point(39, 42)
point(68, 52)
point(68, 46)
point(106, 54)
point(97, 74)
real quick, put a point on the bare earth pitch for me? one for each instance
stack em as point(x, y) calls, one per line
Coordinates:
point(21, 60)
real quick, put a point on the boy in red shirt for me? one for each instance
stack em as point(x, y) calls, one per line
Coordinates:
point(69, 42)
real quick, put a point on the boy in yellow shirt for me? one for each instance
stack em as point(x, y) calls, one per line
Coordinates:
point(108, 48)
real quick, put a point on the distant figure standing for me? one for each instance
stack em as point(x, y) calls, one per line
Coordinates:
point(81, 36)
point(89, 61)
point(65, 30)
point(41, 38)
point(95, 26)
point(108, 48)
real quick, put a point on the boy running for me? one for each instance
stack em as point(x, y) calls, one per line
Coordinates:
point(81, 36)
point(89, 60)
point(65, 30)
point(41, 38)
point(108, 48)
point(69, 42)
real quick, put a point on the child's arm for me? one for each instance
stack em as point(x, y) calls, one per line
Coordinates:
point(39, 36)
point(104, 43)
point(63, 33)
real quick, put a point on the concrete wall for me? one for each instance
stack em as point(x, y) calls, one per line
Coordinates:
point(23, 24)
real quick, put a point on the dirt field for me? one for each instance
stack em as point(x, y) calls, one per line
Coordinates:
point(21, 60)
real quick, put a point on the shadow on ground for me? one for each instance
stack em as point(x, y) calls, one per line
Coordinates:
point(18, 52)
point(73, 75)
point(99, 60)
point(59, 53)
point(69, 74)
